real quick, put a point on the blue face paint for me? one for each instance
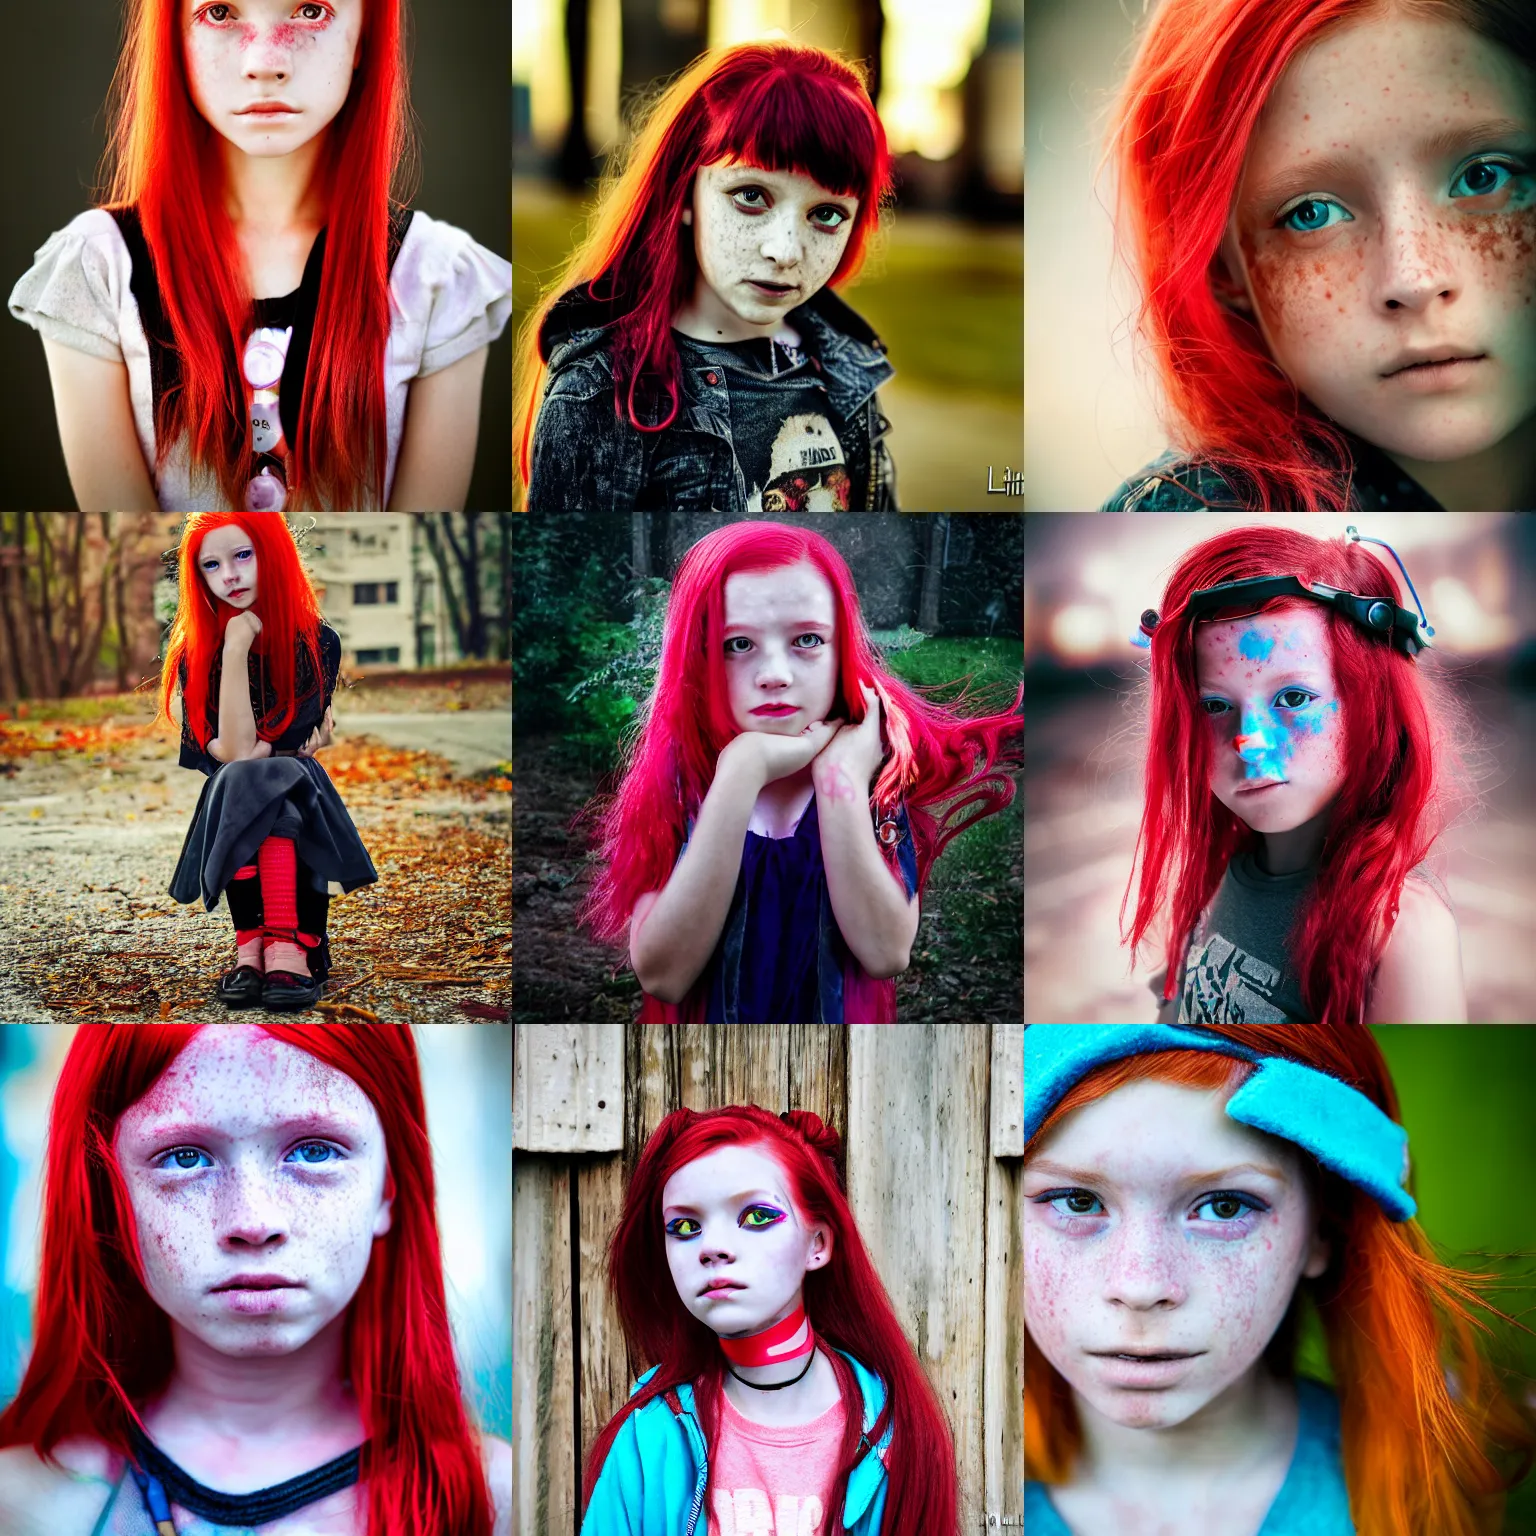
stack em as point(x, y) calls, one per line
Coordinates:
point(1255, 645)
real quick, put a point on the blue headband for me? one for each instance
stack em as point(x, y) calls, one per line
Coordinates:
point(1337, 1124)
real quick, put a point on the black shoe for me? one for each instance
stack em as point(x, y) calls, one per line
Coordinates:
point(241, 987)
point(287, 993)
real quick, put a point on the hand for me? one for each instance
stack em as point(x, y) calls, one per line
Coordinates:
point(320, 736)
point(767, 756)
point(241, 631)
point(853, 757)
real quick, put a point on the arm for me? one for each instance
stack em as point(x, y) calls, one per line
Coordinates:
point(1419, 978)
point(96, 431)
point(237, 722)
point(437, 452)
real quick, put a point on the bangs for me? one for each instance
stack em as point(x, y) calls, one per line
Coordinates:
point(787, 121)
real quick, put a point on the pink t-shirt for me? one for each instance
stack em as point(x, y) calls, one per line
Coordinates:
point(775, 1480)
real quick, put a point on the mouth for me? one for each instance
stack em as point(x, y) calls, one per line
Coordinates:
point(238, 592)
point(776, 709)
point(268, 109)
point(1445, 361)
point(1258, 789)
point(774, 290)
point(721, 1288)
point(258, 1283)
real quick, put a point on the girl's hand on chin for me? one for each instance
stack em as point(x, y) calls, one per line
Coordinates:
point(767, 756)
point(855, 753)
point(242, 629)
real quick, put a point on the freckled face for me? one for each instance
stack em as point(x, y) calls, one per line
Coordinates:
point(1144, 1256)
point(1366, 241)
point(302, 55)
point(221, 1187)
point(1267, 689)
point(728, 1216)
point(780, 647)
point(752, 226)
point(227, 561)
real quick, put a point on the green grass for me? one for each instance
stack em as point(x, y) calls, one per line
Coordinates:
point(995, 662)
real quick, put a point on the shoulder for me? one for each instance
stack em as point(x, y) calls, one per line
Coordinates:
point(40, 1499)
point(1177, 483)
point(461, 290)
point(79, 280)
point(1419, 978)
point(497, 1456)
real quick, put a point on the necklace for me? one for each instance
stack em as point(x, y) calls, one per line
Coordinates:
point(777, 1386)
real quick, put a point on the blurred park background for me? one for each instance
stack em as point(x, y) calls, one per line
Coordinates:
point(467, 1082)
point(941, 596)
point(1087, 581)
point(1091, 421)
point(94, 808)
point(943, 286)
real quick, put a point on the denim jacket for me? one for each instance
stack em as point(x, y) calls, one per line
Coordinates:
point(652, 1483)
point(585, 456)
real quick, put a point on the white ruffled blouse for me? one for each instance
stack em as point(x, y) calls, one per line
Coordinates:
point(452, 297)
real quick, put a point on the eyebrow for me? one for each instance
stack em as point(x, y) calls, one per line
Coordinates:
point(737, 1199)
point(796, 624)
point(1058, 1170)
point(315, 1122)
point(1306, 176)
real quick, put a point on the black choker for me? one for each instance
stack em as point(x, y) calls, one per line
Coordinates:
point(258, 1508)
point(777, 1386)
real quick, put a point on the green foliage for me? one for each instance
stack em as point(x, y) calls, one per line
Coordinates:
point(902, 638)
point(992, 663)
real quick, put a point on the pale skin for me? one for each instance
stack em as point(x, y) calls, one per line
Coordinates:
point(1270, 699)
point(729, 1215)
point(1146, 1229)
point(246, 1156)
point(305, 56)
point(1375, 225)
point(781, 649)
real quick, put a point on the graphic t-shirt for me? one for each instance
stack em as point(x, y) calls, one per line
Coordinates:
point(775, 1480)
point(782, 426)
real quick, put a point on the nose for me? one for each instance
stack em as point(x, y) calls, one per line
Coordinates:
point(268, 53)
point(1416, 264)
point(1143, 1272)
point(714, 1250)
point(781, 241)
point(249, 1214)
point(1253, 740)
point(773, 669)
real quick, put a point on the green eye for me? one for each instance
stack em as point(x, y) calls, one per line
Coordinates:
point(676, 1225)
point(767, 1213)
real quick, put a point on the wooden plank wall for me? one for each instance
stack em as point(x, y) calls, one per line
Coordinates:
point(928, 1116)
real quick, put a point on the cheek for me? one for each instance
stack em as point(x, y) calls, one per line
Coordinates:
point(1302, 295)
point(1503, 253)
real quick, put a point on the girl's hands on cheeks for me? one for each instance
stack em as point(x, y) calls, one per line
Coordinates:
point(766, 756)
point(853, 756)
point(242, 630)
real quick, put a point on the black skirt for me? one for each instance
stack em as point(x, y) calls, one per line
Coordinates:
point(245, 803)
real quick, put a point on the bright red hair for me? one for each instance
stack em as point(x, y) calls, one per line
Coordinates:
point(937, 756)
point(1407, 777)
point(285, 603)
point(163, 158)
point(1417, 1444)
point(1178, 135)
point(778, 106)
point(844, 1299)
point(101, 1345)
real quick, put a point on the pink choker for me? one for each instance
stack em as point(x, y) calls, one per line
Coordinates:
point(788, 1340)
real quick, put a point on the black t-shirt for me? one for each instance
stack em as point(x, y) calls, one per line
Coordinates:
point(783, 427)
point(309, 711)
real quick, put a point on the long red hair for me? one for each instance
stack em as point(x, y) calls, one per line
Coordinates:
point(938, 756)
point(163, 158)
point(779, 106)
point(102, 1345)
point(1403, 735)
point(844, 1299)
point(1178, 135)
point(285, 603)
point(1418, 1443)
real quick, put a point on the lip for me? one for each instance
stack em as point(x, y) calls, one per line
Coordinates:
point(721, 1287)
point(266, 109)
point(1144, 1373)
point(1255, 789)
point(1415, 357)
point(238, 592)
point(776, 709)
point(773, 290)
point(1435, 372)
point(257, 1283)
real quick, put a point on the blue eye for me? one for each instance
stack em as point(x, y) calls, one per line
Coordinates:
point(1312, 214)
point(310, 1146)
point(731, 643)
point(178, 1153)
point(808, 636)
point(1484, 177)
point(1244, 1203)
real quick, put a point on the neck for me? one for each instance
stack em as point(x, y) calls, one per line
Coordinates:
point(1499, 479)
point(1284, 853)
point(258, 1398)
point(277, 192)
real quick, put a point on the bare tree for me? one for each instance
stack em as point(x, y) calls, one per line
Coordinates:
point(459, 567)
point(933, 574)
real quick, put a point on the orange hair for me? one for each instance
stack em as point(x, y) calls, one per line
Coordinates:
point(285, 603)
point(1423, 1415)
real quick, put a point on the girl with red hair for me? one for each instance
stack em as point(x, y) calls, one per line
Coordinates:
point(252, 320)
point(782, 1380)
point(778, 812)
point(1302, 761)
point(1331, 206)
point(1164, 1301)
point(692, 354)
point(255, 666)
point(240, 1311)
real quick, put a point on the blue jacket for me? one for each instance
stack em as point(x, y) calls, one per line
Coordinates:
point(652, 1483)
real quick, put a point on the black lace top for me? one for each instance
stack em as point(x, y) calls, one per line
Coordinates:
point(310, 709)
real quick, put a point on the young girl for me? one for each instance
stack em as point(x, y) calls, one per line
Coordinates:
point(173, 1385)
point(768, 842)
point(692, 354)
point(255, 667)
point(250, 320)
point(1332, 207)
point(1302, 763)
point(783, 1380)
point(1163, 1301)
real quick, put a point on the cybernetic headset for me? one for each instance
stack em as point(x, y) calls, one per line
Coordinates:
point(1409, 632)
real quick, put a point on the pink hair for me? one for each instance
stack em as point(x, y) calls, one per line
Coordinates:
point(102, 1344)
point(1400, 732)
point(844, 1299)
point(936, 754)
point(1178, 137)
point(778, 106)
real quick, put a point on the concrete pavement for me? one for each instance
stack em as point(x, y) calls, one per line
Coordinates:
point(472, 739)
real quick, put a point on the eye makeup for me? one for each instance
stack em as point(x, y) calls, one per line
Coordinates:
point(1225, 1224)
point(766, 1216)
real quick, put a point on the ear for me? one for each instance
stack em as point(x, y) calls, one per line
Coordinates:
point(821, 1249)
point(1227, 278)
point(1319, 1255)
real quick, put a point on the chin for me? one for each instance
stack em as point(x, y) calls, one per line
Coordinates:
point(1435, 435)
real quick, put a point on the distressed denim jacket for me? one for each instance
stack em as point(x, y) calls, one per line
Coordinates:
point(585, 456)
